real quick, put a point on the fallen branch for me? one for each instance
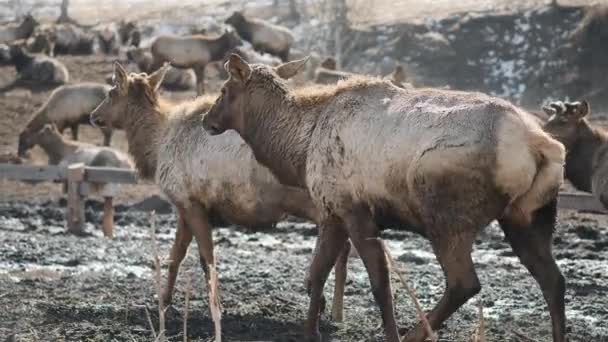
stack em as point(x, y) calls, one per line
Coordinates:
point(521, 336)
point(412, 293)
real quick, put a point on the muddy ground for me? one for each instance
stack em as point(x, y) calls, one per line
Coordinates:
point(56, 287)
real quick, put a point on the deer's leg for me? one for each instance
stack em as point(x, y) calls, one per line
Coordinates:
point(364, 235)
point(453, 251)
point(183, 237)
point(533, 247)
point(341, 270)
point(107, 136)
point(332, 237)
point(198, 221)
point(199, 71)
point(74, 130)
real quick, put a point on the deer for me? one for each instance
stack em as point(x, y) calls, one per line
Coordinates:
point(15, 31)
point(38, 68)
point(440, 163)
point(210, 181)
point(586, 146)
point(68, 106)
point(194, 52)
point(264, 36)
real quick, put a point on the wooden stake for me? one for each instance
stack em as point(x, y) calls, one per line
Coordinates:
point(75, 215)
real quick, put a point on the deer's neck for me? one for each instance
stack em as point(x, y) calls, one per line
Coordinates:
point(279, 135)
point(581, 157)
point(143, 127)
point(56, 149)
point(219, 47)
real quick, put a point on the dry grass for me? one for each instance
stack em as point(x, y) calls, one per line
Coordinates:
point(412, 293)
point(158, 282)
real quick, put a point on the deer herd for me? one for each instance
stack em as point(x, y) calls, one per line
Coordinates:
point(354, 154)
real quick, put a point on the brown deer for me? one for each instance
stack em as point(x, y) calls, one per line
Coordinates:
point(442, 163)
point(586, 146)
point(67, 107)
point(38, 68)
point(14, 31)
point(209, 180)
point(193, 52)
point(264, 36)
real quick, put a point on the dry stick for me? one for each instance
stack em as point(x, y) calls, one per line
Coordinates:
point(188, 289)
point(214, 304)
point(157, 276)
point(522, 336)
point(479, 335)
point(150, 322)
point(412, 293)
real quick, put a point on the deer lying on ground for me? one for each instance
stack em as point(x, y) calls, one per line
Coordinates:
point(210, 180)
point(64, 152)
point(67, 106)
point(14, 31)
point(192, 52)
point(586, 146)
point(264, 36)
point(175, 78)
point(442, 163)
point(38, 68)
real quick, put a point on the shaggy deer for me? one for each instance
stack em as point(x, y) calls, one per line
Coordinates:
point(586, 146)
point(263, 35)
point(193, 52)
point(442, 163)
point(210, 180)
point(67, 106)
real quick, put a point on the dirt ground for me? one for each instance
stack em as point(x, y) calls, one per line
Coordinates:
point(57, 287)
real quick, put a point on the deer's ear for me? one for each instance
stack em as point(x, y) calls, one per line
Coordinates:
point(290, 69)
point(120, 78)
point(238, 68)
point(582, 109)
point(156, 78)
point(549, 110)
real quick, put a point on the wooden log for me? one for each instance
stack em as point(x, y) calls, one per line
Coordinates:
point(75, 214)
point(108, 218)
point(581, 202)
point(31, 172)
point(110, 175)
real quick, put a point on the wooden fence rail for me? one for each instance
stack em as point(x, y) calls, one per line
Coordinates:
point(79, 178)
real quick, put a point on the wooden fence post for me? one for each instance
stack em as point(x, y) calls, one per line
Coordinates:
point(75, 217)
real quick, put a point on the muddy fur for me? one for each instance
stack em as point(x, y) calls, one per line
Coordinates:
point(442, 163)
point(67, 107)
point(13, 31)
point(586, 146)
point(38, 68)
point(263, 35)
point(205, 177)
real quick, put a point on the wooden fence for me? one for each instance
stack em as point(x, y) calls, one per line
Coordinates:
point(79, 178)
